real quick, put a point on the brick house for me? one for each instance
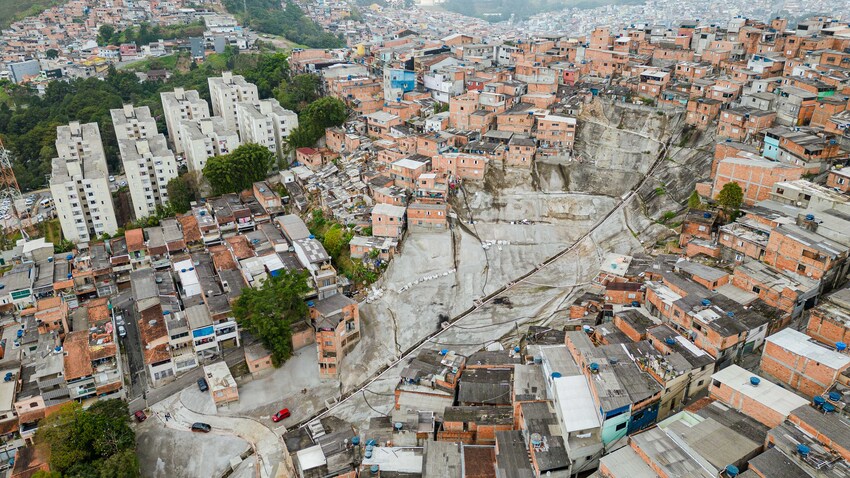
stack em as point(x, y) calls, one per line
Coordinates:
point(337, 322)
point(521, 152)
point(798, 250)
point(755, 175)
point(839, 179)
point(802, 363)
point(388, 220)
point(760, 399)
point(556, 131)
point(427, 216)
point(829, 321)
point(312, 158)
point(702, 111)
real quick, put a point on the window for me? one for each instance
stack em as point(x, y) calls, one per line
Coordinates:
point(622, 426)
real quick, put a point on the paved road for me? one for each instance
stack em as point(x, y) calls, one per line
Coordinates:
point(269, 449)
point(155, 395)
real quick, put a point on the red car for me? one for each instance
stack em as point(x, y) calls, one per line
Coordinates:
point(140, 416)
point(281, 415)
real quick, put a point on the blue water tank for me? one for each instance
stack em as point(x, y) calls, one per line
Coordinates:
point(371, 442)
point(166, 312)
point(732, 470)
point(819, 401)
point(755, 381)
point(556, 374)
point(20, 333)
point(706, 302)
point(312, 236)
point(368, 454)
point(730, 314)
point(670, 341)
point(69, 256)
point(355, 440)
point(516, 349)
point(444, 351)
point(840, 346)
point(594, 367)
point(310, 303)
point(49, 259)
point(706, 215)
point(635, 303)
point(803, 450)
point(828, 407)
point(810, 217)
point(834, 396)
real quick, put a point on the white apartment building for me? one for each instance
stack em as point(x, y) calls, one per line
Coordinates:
point(133, 123)
point(228, 91)
point(149, 165)
point(266, 123)
point(79, 183)
point(181, 105)
point(206, 138)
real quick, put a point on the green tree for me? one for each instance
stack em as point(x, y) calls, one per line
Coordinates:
point(299, 92)
point(238, 170)
point(47, 474)
point(52, 54)
point(335, 240)
point(268, 312)
point(318, 115)
point(694, 201)
point(105, 34)
point(730, 198)
point(93, 442)
point(180, 196)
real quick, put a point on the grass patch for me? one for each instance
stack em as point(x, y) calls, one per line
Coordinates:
point(52, 231)
point(660, 191)
point(12, 11)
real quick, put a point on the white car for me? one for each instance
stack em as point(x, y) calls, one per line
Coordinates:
point(122, 183)
point(111, 179)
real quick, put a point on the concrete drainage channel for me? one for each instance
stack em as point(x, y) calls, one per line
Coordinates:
point(480, 302)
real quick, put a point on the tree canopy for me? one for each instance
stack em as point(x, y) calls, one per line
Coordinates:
point(731, 197)
point(268, 312)
point(180, 194)
point(694, 201)
point(318, 115)
point(298, 92)
point(95, 442)
point(239, 170)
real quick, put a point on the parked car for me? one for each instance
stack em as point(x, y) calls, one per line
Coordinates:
point(140, 416)
point(200, 427)
point(111, 179)
point(280, 415)
point(119, 320)
point(122, 332)
point(202, 384)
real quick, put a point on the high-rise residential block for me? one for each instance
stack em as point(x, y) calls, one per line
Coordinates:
point(133, 123)
point(149, 165)
point(228, 91)
point(181, 105)
point(79, 183)
point(266, 123)
point(206, 138)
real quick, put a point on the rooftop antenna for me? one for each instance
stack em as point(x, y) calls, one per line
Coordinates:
point(9, 186)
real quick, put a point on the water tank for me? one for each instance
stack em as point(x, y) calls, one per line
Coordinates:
point(670, 341)
point(754, 381)
point(635, 303)
point(556, 374)
point(371, 442)
point(398, 425)
point(368, 454)
point(516, 349)
point(183, 271)
point(20, 333)
point(49, 259)
point(374, 469)
point(444, 351)
point(730, 314)
point(819, 401)
point(536, 439)
point(310, 303)
point(203, 212)
point(706, 302)
point(594, 367)
point(803, 450)
point(355, 440)
point(732, 470)
point(810, 217)
point(840, 346)
point(586, 328)
point(312, 236)
point(69, 256)
point(706, 215)
point(834, 396)
point(828, 407)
